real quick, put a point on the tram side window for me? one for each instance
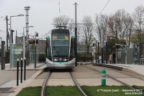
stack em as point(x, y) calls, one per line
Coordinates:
point(48, 52)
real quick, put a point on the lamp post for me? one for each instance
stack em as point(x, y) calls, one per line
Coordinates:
point(24, 41)
point(76, 31)
point(11, 36)
point(36, 35)
point(27, 8)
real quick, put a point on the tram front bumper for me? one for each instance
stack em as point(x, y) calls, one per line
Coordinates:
point(60, 65)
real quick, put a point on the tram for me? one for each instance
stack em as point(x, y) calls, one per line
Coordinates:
point(60, 49)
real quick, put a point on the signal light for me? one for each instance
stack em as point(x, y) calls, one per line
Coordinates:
point(33, 41)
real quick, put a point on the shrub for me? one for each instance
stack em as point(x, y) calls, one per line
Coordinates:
point(42, 57)
point(84, 57)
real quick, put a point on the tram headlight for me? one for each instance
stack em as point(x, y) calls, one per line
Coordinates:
point(65, 59)
point(55, 59)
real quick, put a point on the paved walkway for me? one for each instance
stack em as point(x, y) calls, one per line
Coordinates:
point(29, 67)
point(134, 67)
point(8, 76)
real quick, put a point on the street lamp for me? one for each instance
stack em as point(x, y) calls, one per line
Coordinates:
point(76, 32)
point(11, 31)
point(11, 57)
point(36, 35)
point(24, 42)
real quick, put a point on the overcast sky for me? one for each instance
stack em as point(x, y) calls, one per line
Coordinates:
point(42, 12)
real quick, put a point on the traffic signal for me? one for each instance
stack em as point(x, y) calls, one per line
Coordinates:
point(33, 41)
point(116, 46)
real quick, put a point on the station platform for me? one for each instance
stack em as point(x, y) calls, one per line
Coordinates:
point(135, 68)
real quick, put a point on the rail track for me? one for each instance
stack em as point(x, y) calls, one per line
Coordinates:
point(43, 90)
point(115, 79)
point(44, 85)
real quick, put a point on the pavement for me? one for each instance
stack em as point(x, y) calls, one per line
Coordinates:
point(125, 72)
point(87, 77)
point(135, 68)
point(8, 77)
point(29, 67)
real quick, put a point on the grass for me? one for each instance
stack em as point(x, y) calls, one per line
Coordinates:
point(72, 91)
point(140, 87)
point(51, 91)
point(30, 91)
point(108, 91)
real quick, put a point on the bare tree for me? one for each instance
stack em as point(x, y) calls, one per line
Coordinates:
point(138, 18)
point(138, 22)
point(120, 25)
point(102, 28)
point(87, 29)
point(61, 21)
point(129, 23)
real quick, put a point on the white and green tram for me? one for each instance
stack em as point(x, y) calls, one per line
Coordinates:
point(60, 49)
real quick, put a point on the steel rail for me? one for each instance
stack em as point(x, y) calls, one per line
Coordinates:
point(43, 90)
point(78, 85)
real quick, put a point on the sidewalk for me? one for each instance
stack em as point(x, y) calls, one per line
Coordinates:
point(28, 67)
point(139, 69)
point(8, 77)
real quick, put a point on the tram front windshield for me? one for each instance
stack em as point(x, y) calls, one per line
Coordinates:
point(60, 44)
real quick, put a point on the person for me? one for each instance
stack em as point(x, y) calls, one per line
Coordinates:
point(114, 57)
point(110, 58)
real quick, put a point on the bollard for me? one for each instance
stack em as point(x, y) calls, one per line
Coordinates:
point(21, 69)
point(103, 80)
point(17, 72)
point(24, 68)
point(2, 55)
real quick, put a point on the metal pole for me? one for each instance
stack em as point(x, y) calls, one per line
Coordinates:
point(116, 53)
point(27, 21)
point(24, 68)
point(21, 70)
point(12, 35)
point(106, 53)
point(140, 52)
point(7, 33)
point(76, 31)
point(102, 55)
point(18, 72)
point(27, 31)
point(94, 51)
point(35, 52)
point(98, 52)
point(23, 45)
point(3, 55)
point(16, 38)
point(10, 44)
